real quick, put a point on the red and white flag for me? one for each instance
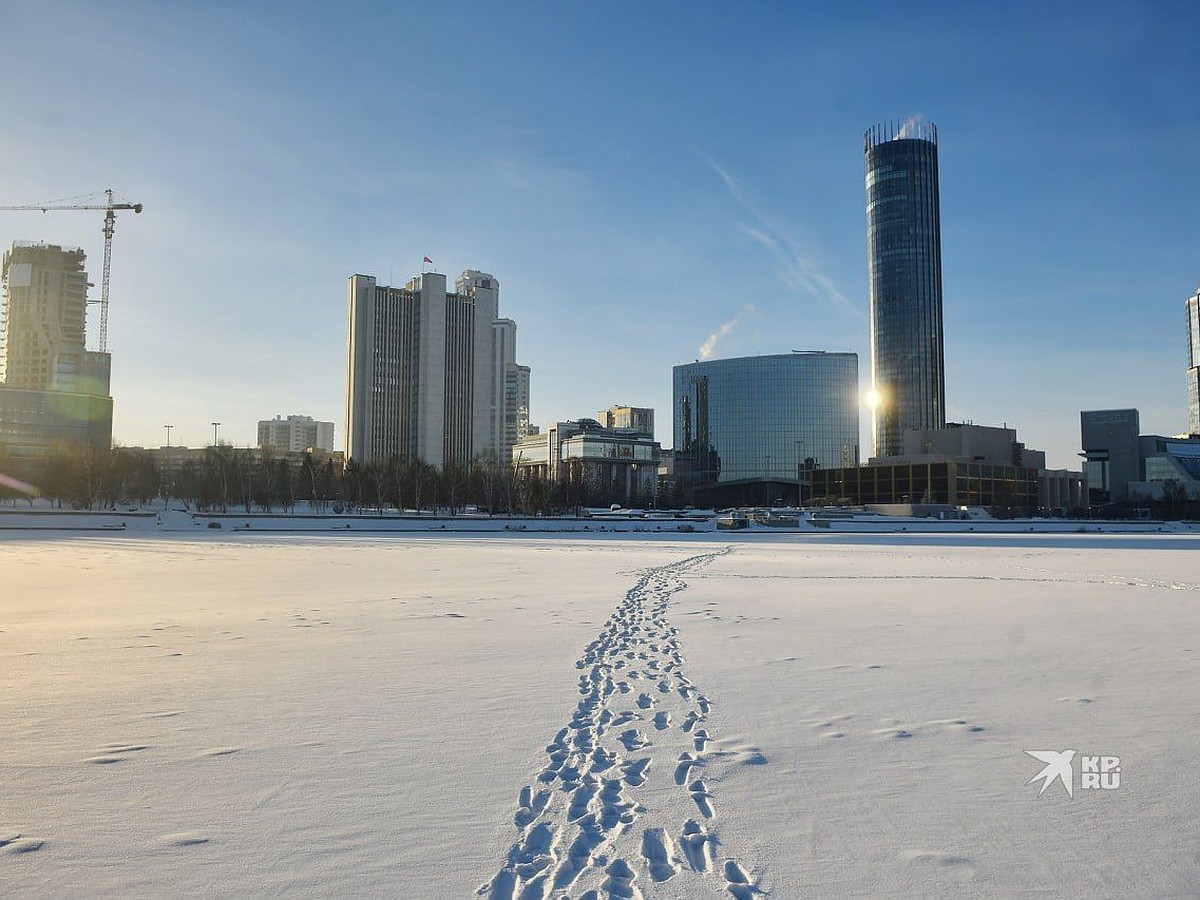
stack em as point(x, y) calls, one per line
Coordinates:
point(428, 260)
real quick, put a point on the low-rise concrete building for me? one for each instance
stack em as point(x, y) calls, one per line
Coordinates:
point(632, 418)
point(605, 462)
point(961, 465)
point(1110, 451)
point(1124, 467)
point(931, 481)
point(977, 443)
point(295, 434)
point(1166, 461)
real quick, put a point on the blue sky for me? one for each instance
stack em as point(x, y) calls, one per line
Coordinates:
point(636, 175)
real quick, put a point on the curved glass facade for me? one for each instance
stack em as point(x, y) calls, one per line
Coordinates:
point(759, 418)
point(904, 259)
point(1193, 373)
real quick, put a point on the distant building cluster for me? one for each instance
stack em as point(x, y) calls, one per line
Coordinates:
point(601, 461)
point(53, 390)
point(426, 383)
point(1124, 467)
point(784, 428)
point(959, 464)
point(432, 376)
point(295, 434)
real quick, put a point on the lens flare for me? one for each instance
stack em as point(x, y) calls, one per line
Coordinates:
point(20, 486)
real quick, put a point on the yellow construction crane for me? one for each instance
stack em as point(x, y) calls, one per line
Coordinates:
point(110, 220)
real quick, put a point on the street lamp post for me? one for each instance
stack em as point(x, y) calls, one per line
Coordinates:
point(215, 425)
point(799, 481)
point(767, 482)
point(927, 497)
point(167, 467)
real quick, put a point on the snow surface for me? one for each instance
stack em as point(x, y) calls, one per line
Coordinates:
point(428, 716)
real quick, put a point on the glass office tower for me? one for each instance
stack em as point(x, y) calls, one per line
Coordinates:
point(1193, 372)
point(763, 419)
point(904, 259)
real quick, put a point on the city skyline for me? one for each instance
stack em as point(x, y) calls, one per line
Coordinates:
point(642, 213)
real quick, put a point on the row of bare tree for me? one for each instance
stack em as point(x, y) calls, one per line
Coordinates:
point(234, 478)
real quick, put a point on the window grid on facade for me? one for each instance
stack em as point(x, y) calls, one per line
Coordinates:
point(394, 392)
point(422, 379)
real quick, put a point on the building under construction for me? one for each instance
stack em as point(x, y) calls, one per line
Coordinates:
point(52, 388)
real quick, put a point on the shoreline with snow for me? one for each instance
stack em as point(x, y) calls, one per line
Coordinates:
point(145, 520)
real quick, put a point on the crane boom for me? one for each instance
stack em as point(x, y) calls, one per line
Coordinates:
point(110, 221)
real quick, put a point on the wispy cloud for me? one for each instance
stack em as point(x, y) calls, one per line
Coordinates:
point(709, 348)
point(797, 270)
point(531, 175)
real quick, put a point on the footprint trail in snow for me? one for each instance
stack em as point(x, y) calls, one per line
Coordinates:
point(619, 803)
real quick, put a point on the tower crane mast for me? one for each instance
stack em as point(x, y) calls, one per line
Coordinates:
point(110, 221)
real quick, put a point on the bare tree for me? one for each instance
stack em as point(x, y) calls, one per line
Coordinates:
point(266, 479)
point(375, 474)
point(401, 476)
point(219, 468)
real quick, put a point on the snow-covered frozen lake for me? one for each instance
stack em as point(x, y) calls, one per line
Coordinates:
point(427, 716)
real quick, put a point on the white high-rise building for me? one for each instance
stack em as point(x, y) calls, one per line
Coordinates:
point(295, 434)
point(516, 407)
point(419, 380)
point(510, 406)
point(504, 354)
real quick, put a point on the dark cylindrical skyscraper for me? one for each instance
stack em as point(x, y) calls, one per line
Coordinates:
point(904, 259)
